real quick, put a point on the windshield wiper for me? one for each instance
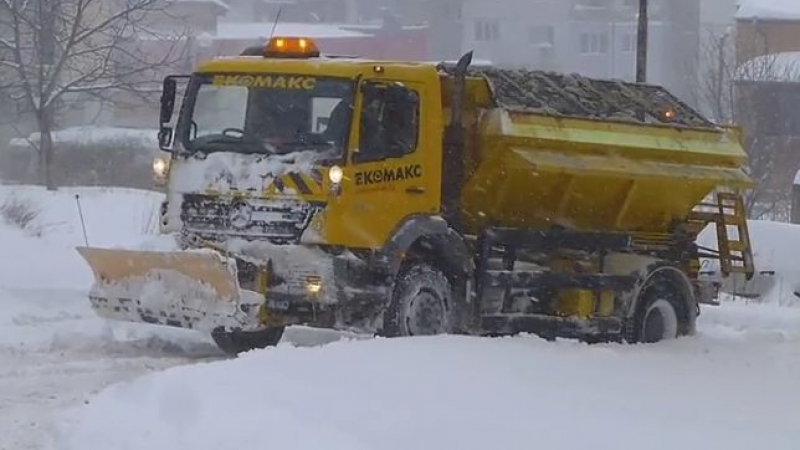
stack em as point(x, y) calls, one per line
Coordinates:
point(307, 145)
point(222, 143)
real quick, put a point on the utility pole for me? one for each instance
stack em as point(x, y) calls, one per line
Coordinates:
point(720, 83)
point(641, 44)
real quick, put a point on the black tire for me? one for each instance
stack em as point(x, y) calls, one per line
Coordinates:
point(235, 342)
point(658, 316)
point(422, 304)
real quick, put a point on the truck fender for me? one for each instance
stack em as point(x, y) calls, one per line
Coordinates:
point(446, 243)
point(645, 269)
point(681, 282)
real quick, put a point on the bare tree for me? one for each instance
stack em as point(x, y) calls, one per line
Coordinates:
point(745, 95)
point(53, 52)
point(716, 87)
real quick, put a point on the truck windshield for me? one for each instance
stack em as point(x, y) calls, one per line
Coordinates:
point(267, 113)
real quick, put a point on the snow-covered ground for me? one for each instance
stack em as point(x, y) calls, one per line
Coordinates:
point(53, 351)
point(735, 386)
point(69, 380)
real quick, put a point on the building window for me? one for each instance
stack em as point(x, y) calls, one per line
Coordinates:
point(541, 34)
point(594, 43)
point(454, 10)
point(487, 30)
point(628, 44)
point(592, 4)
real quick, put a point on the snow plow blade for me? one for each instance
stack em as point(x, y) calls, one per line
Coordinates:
point(187, 289)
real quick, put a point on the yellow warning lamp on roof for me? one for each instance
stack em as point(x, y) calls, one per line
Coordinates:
point(291, 47)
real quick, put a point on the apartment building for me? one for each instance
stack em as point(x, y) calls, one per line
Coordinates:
point(593, 37)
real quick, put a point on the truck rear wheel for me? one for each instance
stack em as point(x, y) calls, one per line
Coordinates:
point(422, 304)
point(235, 342)
point(657, 318)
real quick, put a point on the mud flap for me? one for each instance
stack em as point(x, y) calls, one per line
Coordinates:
point(188, 289)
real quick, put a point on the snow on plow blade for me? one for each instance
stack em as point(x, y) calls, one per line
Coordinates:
point(188, 289)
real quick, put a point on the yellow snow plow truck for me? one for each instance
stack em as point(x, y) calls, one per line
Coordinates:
point(415, 198)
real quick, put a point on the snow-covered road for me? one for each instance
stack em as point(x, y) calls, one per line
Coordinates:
point(39, 376)
point(54, 352)
point(69, 380)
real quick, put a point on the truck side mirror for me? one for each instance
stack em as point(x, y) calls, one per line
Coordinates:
point(168, 99)
point(164, 137)
point(167, 108)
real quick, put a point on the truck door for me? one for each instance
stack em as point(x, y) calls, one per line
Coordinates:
point(393, 167)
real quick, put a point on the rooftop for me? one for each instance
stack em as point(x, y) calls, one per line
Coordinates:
point(775, 68)
point(219, 3)
point(769, 9)
point(262, 30)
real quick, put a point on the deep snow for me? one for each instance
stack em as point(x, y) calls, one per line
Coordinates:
point(734, 385)
point(726, 388)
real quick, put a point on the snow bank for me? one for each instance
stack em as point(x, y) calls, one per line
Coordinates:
point(459, 393)
point(776, 246)
point(768, 9)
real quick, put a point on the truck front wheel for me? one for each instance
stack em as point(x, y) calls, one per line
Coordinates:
point(235, 342)
point(422, 303)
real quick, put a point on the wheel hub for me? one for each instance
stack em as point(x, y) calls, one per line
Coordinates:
point(426, 315)
point(654, 326)
point(660, 322)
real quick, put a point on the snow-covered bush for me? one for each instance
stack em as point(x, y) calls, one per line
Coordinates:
point(86, 156)
point(21, 213)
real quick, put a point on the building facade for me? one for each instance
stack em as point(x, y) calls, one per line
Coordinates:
point(593, 37)
point(767, 81)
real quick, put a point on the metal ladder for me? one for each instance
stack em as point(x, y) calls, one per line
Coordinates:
point(735, 253)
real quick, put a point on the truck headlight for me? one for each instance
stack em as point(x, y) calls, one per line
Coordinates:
point(160, 167)
point(313, 285)
point(336, 174)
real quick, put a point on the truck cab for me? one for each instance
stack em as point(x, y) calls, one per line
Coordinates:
point(297, 142)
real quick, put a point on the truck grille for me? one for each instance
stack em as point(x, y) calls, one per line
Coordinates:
point(217, 219)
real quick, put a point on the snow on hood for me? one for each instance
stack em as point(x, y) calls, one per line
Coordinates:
point(225, 171)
